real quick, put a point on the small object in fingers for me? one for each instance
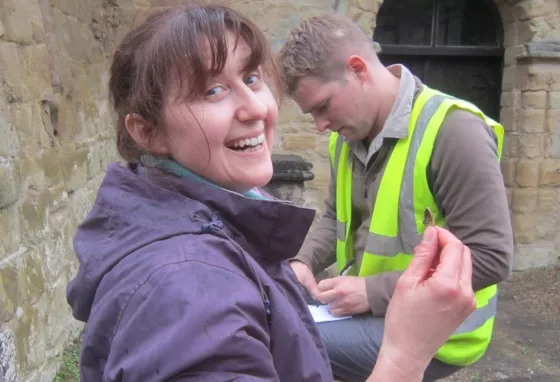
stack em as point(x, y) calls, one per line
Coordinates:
point(428, 218)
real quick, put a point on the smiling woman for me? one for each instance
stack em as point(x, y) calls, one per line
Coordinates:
point(182, 258)
point(183, 273)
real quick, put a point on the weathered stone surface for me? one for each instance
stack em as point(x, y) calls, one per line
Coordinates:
point(552, 146)
point(528, 9)
point(524, 225)
point(532, 120)
point(527, 173)
point(549, 199)
point(17, 21)
point(549, 173)
point(10, 183)
point(534, 99)
point(525, 200)
point(8, 364)
point(530, 146)
point(535, 256)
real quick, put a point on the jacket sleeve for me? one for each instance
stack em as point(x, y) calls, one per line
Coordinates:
point(319, 248)
point(467, 182)
point(191, 321)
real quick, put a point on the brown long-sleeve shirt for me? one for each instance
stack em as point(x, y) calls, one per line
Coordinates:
point(464, 176)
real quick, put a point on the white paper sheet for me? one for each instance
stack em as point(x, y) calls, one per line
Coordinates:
point(322, 313)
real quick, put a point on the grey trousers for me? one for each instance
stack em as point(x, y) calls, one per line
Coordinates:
point(353, 345)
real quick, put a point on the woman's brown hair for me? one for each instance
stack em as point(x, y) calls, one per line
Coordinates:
point(171, 45)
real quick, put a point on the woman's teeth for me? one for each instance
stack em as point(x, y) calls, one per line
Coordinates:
point(249, 144)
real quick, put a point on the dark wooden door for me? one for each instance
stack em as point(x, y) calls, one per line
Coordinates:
point(452, 45)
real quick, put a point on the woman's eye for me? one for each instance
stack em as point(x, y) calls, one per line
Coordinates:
point(214, 91)
point(253, 78)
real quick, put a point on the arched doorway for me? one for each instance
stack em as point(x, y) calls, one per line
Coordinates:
point(455, 46)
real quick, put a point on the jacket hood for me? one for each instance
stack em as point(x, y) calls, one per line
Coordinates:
point(137, 206)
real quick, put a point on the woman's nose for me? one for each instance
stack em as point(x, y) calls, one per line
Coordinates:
point(251, 107)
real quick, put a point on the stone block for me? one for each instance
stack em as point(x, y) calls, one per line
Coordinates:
point(537, 76)
point(512, 51)
point(77, 9)
point(57, 247)
point(554, 100)
point(51, 167)
point(524, 200)
point(9, 144)
point(10, 233)
point(33, 211)
point(510, 39)
point(533, 120)
point(8, 364)
point(299, 142)
point(10, 296)
point(535, 256)
point(74, 169)
point(529, 9)
point(509, 78)
point(38, 72)
point(530, 145)
point(21, 116)
point(552, 146)
point(534, 99)
point(549, 174)
point(524, 227)
point(10, 183)
point(365, 20)
point(16, 19)
point(290, 112)
point(510, 99)
point(547, 227)
point(30, 277)
point(527, 173)
point(30, 331)
point(552, 123)
point(13, 73)
point(549, 199)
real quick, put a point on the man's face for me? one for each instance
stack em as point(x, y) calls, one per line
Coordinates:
point(337, 105)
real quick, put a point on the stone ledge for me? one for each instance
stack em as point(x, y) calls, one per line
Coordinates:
point(291, 168)
point(543, 50)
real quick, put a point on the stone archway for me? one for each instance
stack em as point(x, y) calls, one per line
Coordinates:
point(530, 113)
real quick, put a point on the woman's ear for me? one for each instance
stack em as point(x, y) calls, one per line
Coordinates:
point(143, 134)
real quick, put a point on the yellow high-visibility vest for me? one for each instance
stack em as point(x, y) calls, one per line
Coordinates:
point(396, 222)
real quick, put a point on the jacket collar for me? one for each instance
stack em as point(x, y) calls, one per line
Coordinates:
point(268, 228)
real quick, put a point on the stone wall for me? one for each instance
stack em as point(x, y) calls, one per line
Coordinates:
point(57, 138)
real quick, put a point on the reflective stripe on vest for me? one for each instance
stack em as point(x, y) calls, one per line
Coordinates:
point(393, 250)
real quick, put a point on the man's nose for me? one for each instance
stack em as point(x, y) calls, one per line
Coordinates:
point(321, 124)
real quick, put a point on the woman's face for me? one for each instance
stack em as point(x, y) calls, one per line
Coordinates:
point(226, 135)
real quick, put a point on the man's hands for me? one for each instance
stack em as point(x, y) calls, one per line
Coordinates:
point(346, 295)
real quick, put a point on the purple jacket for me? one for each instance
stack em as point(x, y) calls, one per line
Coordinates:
point(182, 281)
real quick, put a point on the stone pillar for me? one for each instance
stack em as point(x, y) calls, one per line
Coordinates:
point(290, 174)
point(531, 164)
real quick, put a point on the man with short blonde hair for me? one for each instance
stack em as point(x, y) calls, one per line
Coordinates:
point(397, 149)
